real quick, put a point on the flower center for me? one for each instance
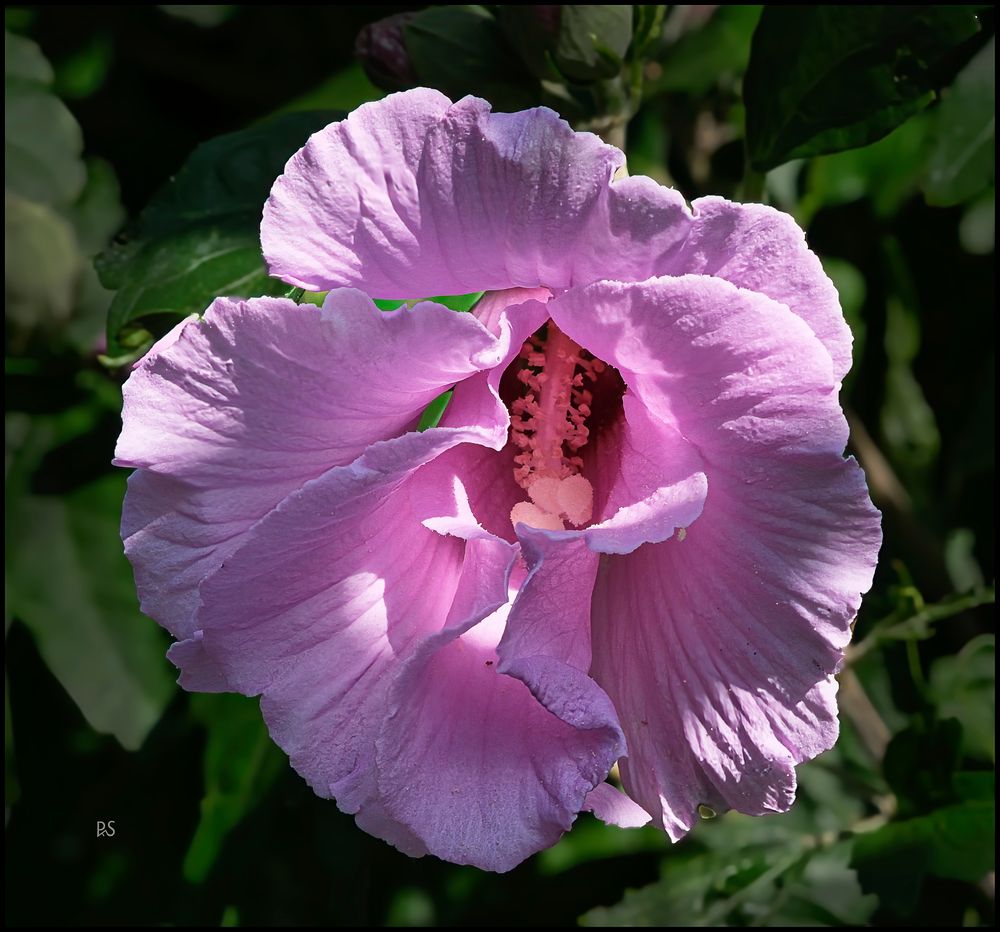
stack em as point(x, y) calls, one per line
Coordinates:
point(548, 426)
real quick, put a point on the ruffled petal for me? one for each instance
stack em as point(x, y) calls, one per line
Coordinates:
point(489, 754)
point(496, 307)
point(612, 806)
point(718, 646)
point(486, 476)
point(413, 195)
point(325, 598)
point(729, 369)
point(228, 415)
point(654, 483)
point(764, 250)
point(373, 818)
point(199, 672)
point(263, 387)
point(643, 230)
point(551, 615)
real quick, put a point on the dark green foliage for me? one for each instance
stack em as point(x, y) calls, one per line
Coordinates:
point(826, 78)
point(462, 50)
point(199, 237)
point(962, 160)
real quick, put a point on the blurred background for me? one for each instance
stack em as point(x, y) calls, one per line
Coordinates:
point(872, 126)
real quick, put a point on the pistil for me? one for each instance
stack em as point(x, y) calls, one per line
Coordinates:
point(548, 425)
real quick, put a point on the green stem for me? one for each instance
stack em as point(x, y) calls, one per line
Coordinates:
point(614, 135)
point(916, 669)
point(752, 188)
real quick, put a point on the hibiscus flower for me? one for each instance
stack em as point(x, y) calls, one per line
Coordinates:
point(632, 537)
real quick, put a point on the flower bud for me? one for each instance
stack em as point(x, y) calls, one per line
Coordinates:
point(580, 42)
point(382, 52)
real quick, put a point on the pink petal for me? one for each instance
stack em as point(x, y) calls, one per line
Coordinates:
point(282, 379)
point(729, 369)
point(654, 484)
point(413, 195)
point(326, 597)
point(718, 649)
point(764, 250)
point(486, 480)
point(228, 415)
point(488, 759)
point(492, 749)
point(199, 673)
point(551, 615)
point(611, 805)
point(643, 230)
point(496, 306)
point(372, 818)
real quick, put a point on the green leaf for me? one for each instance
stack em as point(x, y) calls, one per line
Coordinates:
point(909, 424)
point(977, 230)
point(42, 264)
point(205, 15)
point(956, 842)
point(592, 41)
point(241, 762)
point(920, 763)
point(825, 78)
point(579, 43)
point(24, 60)
point(42, 140)
point(410, 907)
point(964, 571)
point(58, 212)
point(49, 284)
point(700, 57)
point(825, 892)
point(975, 785)
point(461, 49)
point(346, 90)
point(199, 238)
point(458, 302)
point(389, 304)
point(592, 840)
point(531, 31)
point(454, 302)
point(682, 894)
point(887, 172)
point(961, 164)
point(852, 288)
point(963, 686)
point(69, 582)
point(98, 213)
point(434, 411)
point(84, 71)
point(753, 885)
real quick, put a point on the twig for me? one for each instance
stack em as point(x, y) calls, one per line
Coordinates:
point(856, 705)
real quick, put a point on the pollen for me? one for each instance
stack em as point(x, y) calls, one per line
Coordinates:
point(533, 516)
